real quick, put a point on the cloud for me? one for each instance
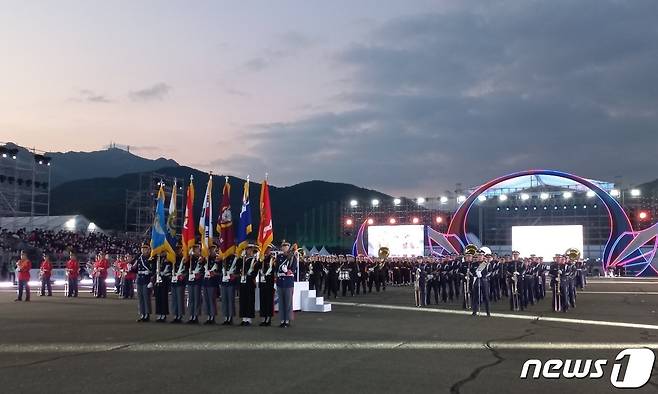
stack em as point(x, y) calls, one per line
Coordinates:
point(256, 64)
point(156, 92)
point(284, 45)
point(89, 96)
point(482, 89)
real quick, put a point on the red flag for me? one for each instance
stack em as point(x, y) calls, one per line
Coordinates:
point(225, 224)
point(265, 231)
point(188, 224)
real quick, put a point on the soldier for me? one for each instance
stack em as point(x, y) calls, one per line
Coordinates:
point(118, 266)
point(432, 277)
point(129, 276)
point(529, 281)
point(361, 275)
point(248, 274)
point(23, 266)
point(480, 272)
point(287, 265)
point(466, 280)
point(100, 268)
point(558, 285)
point(164, 269)
point(314, 274)
point(570, 276)
point(72, 272)
point(228, 284)
point(347, 275)
point(210, 284)
point(178, 283)
point(517, 269)
point(194, 284)
point(265, 271)
point(144, 268)
point(45, 272)
point(331, 273)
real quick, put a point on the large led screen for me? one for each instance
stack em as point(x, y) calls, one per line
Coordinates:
point(546, 241)
point(402, 240)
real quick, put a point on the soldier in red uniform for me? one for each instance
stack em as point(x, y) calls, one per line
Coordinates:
point(45, 272)
point(128, 290)
point(118, 277)
point(72, 273)
point(23, 268)
point(100, 267)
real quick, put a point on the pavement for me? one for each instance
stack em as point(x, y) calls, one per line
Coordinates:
point(374, 343)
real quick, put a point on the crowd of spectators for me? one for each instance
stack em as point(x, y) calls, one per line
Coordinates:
point(58, 244)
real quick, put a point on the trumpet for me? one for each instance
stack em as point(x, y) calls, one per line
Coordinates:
point(467, 288)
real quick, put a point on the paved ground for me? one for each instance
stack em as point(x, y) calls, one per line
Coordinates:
point(373, 343)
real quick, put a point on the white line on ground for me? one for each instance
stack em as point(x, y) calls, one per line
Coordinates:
point(312, 345)
point(505, 315)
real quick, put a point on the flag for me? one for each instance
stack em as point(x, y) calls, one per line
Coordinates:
point(205, 221)
point(265, 231)
point(159, 231)
point(171, 218)
point(188, 227)
point(244, 226)
point(225, 225)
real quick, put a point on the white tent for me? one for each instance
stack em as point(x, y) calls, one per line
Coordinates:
point(74, 223)
point(313, 251)
point(324, 252)
point(305, 250)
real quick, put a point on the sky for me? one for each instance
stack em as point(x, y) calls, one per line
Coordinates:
point(406, 97)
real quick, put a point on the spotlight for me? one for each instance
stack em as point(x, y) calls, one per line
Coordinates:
point(349, 222)
point(461, 199)
point(415, 220)
point(353, 203)
point(482, 198)
point(567, 195)
point(443, 199)
point(439, 219)
point(502, 197)
point(643, 215)
point(420, 200)
point(391, 220)
point(635, 192)
point(375, 202)
point(615, 193)
point(525, 197)
point(397, 201)
point(544, 196)
point(370, 221)
point(590, 193)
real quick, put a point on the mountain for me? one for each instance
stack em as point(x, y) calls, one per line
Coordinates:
point(309, 212)
point(649, 187)
point(111, 162)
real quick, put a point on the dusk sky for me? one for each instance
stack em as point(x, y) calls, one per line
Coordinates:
point(407, 97)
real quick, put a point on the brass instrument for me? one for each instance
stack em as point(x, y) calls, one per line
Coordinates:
point(384, 252)
point(573, 254)
point(470, 249)
point(467, 287)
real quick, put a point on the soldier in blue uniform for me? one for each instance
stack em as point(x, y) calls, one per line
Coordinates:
point(248, 275)
point(210, 285)
point(266, 286)
point(144, 266)
point(178, 283)
point(286, 270)
point(480, 272)
point(229, 282)
point(194, 283)
point(162, 286)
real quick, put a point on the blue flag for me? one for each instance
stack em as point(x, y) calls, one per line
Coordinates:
point(160, 231)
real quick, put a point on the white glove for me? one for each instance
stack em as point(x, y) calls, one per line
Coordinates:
point(478, 274)
point(149, 286)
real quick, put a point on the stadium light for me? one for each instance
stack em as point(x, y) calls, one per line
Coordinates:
point(349, 222)
point(482, 198)
point(443, 199)
point(615, 193)
point(370, 221)
point(643, 215)
point(415, 220)
point(461, 199)
point(502, 197)
point(635, 192)
point(590, 193)
point(391, 220)
point(420, 200)
point(375, 202)
point(544, 196)
point(92, 227)
point(567, 195)
point(70, 224)
point(525, 196)
point(439, 219)
point(397, 201)
point(354, 203)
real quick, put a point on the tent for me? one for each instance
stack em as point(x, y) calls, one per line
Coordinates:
point(74, 223)
point(313, 251)
point(323, 252)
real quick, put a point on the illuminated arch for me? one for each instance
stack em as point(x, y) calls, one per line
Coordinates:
point(621, 230)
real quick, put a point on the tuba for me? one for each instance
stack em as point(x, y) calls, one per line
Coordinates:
point(470, 249)
point(573, 254)
point(384, 252)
